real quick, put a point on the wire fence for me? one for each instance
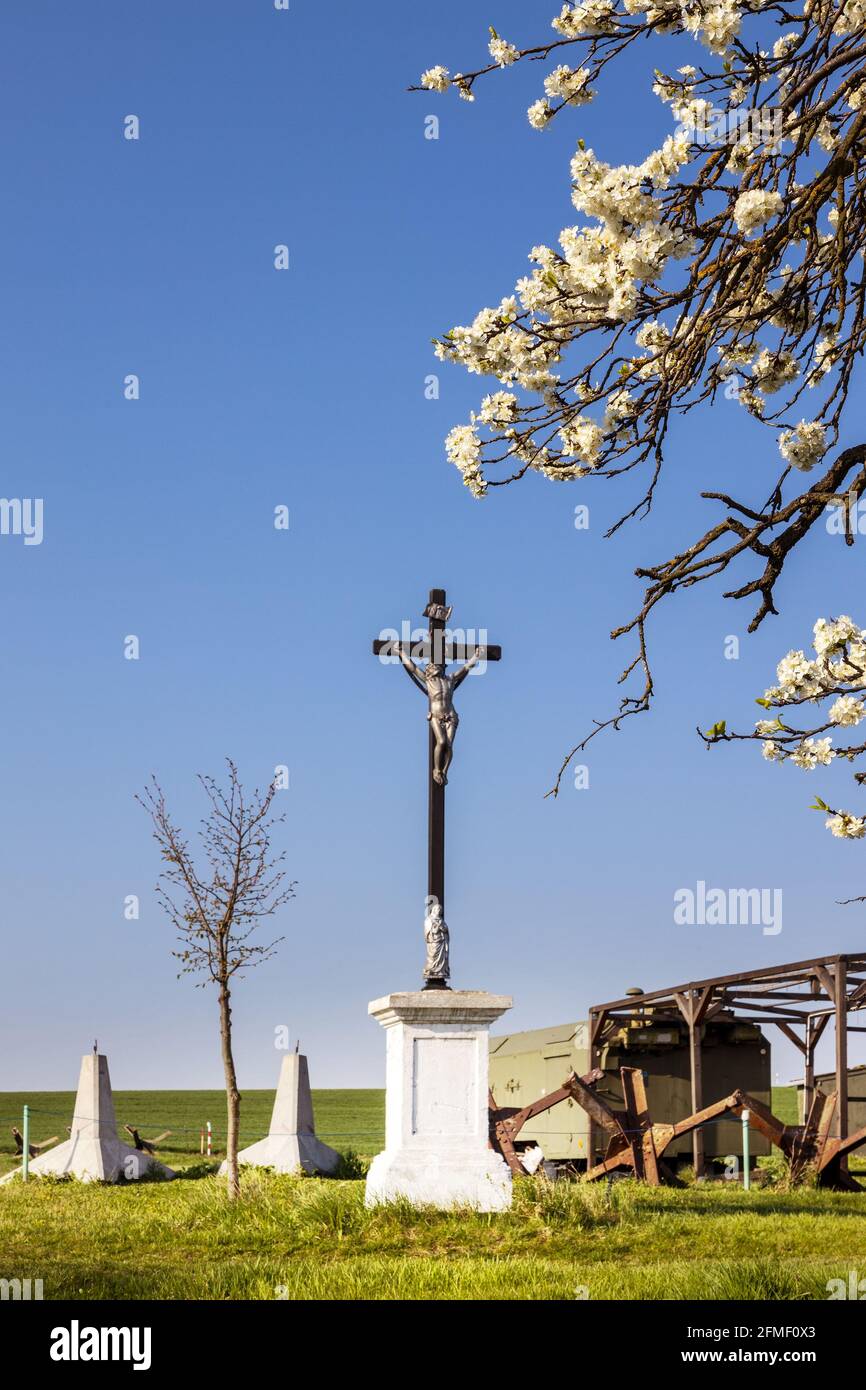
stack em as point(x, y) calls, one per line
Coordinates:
point(214, 1134)
point(204, 1134)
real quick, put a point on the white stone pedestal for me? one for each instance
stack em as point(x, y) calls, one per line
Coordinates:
point(436, 1121)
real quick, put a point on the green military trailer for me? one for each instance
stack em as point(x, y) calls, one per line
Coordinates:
point(527, 1066)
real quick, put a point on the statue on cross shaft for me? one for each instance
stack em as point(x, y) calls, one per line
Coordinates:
point(439, 688)
point(439, 649)
point(437, 966)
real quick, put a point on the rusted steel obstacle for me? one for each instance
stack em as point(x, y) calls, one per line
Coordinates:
point(636, 1144)
point(506, 1123)
point(811, 1144)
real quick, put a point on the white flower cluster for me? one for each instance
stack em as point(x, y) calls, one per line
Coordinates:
point(582, 438)
point(839, 665)
point(773, 370)
point(597, 276)
point(830, 636)
point(570, 86)
point(845, 826)
point(840, 647)
point(595, 279)
point(826, 356)
point(463, 448)
point(503, 52)
point(715, 22)
point(852, 16)
point(847, 712)
point(783, 46)
point(499, 408)
point(539, 113)
point(813, 752)
point(804, 446)
point(492, 346)
point(436, 79)
point(593, 17)
point(755, 207)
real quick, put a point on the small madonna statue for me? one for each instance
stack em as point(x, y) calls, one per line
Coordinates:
point(437, 969)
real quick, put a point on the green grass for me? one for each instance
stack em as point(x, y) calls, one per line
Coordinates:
point(312, 1238)
point(299, 1238)
point(784, 1104)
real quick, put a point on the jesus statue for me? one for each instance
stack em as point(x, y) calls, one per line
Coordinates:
point(439, 688)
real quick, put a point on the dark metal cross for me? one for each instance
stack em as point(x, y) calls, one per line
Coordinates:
point(436, 649)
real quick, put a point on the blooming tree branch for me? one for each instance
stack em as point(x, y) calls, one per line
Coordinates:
point(834, 682)
point(729, 260)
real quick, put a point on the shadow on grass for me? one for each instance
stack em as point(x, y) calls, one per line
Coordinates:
point(196, 1171)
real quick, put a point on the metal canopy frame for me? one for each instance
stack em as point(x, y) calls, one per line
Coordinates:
point(804, 995)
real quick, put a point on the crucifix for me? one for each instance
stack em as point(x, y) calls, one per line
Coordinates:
point(438, 686)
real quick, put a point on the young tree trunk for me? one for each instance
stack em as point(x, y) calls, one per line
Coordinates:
point(233, 1099)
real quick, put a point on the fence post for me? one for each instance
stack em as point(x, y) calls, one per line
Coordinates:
point(25, 1166)
point(746, 1176)
point(209, 1140)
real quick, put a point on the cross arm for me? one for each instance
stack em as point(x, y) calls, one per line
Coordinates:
point(420, 651)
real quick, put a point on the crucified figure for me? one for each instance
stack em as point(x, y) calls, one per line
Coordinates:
point(439, 688)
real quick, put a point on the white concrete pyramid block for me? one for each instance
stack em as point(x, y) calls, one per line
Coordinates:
point(93, 1151)
point(291, 1145)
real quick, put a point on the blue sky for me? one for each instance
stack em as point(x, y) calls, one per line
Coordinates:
point(306, 388)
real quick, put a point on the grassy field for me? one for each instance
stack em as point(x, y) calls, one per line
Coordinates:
point(347, 1120)
point(300, 1238)
point(295, 1238)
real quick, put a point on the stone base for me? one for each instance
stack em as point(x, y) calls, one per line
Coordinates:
point(431, 1179)
point(95, 1160)
point(436, 1117)
point(290, 1153)
point(291, 1145)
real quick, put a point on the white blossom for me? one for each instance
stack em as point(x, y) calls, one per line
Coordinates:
point(805, 445)
point(846, 711)
point(539, 113)
point(583, 438)
point(755, 207)
point(812, 752)
point(463, 447)
point(830, 637)
point(498, 408)
point(783, 45)
point(570, 86)
point(845, 826)
point(436, 79)
point(852, 16)
point(503, 52)
point(773, 370)
point(592, 17)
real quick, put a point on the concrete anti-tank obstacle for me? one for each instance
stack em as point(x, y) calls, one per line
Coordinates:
point(291, 1145)
point(93, 1151)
